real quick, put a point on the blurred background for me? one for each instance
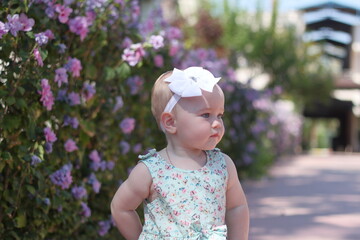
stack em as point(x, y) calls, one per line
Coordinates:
point(75, 85)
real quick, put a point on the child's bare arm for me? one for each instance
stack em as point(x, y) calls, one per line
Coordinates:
point(237, 211)
point(127, 198)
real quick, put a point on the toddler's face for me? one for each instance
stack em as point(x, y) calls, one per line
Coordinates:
point(199, 120)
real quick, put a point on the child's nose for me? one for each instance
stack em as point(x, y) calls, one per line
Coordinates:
point(216, 123)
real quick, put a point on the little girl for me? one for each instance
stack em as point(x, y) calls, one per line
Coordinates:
point(190, 189)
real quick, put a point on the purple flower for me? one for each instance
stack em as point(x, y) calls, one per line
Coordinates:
point(3, 29)
point(127, 125)
point(135, 10)
point(90, 16)
point(126, 43)
point(74, 66)
point(157, 41)
point(135, 84)
point(93, 4)
point(79, 25)
point(79, 192)
point(110, 165)
point(159, 61)
point(104, 227)
point(70, 145)
point(61, 76)
point(61, 95)
point(50, 136)
point(62, 177)
point(64, 12)
point(27, 23)
point(47, 97)
point(74, 99)
point(175, 47)
point(88, 91)
point(133, 54)
point(46, 201)
point(86, 211)
point(35, 160)
point(41, 38)
point(49, 34)
point(38, 57)
point(62, 48)
point(69, 121)
point(48, 147)
point(137, 148)
point(119, 104)
point(125, 147)
point(173, 33)
point(50, 11)
point(96, 185)
point(94, 156)
point(13, 24)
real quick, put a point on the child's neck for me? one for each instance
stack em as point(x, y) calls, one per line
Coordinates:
point(185, 158)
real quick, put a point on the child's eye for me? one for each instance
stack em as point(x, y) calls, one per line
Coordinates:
point(205, 115)
point(220, 116)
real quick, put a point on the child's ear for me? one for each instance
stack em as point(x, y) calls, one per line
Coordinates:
point(168, 122)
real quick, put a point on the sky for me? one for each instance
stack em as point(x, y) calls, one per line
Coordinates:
point(286, 5)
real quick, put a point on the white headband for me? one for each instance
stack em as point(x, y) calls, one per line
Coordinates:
point(189, 83)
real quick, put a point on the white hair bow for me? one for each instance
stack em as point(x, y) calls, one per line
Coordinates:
point(189, 83)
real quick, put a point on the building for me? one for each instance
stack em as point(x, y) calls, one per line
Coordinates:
point(336, 29)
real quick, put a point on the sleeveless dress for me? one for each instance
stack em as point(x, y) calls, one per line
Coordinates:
point(190, 204)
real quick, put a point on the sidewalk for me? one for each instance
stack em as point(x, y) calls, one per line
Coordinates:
point(307, 198)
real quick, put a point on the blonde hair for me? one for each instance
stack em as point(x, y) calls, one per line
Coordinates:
point(160, 96)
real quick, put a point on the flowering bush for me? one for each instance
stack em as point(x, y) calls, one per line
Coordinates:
point(75, 86)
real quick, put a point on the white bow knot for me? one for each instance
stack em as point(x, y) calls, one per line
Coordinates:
point(189, 83)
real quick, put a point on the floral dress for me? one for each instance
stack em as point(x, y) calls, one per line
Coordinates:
point(190, 204)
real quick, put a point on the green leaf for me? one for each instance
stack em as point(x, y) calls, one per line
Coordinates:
point(3, 93)
point(21, 90)
point(30, 130)
point(31, 189)
point(2, 165)
point(109, 73)
point(21, 103)
point(44, 53)
point(123, 71)
point(30, 35)
point(20, 220)
point(10, 100)
point(11, 122)
point(91, 71)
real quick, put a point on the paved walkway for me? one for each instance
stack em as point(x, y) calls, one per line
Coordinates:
point(310, 197)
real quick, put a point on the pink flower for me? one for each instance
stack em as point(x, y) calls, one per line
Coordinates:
point(64, 12)
point(159, 61)
point(173, 33)
point(127, 125)
point(174, 47)
point(38, 57)
point(61, 76)
point(94, 156)
point(50, 136)
point(79, 26)
point(157, 41)
point(70, 145)
point(47, 97)
point(27, 23)
point(74, 66)
point(133, 54)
